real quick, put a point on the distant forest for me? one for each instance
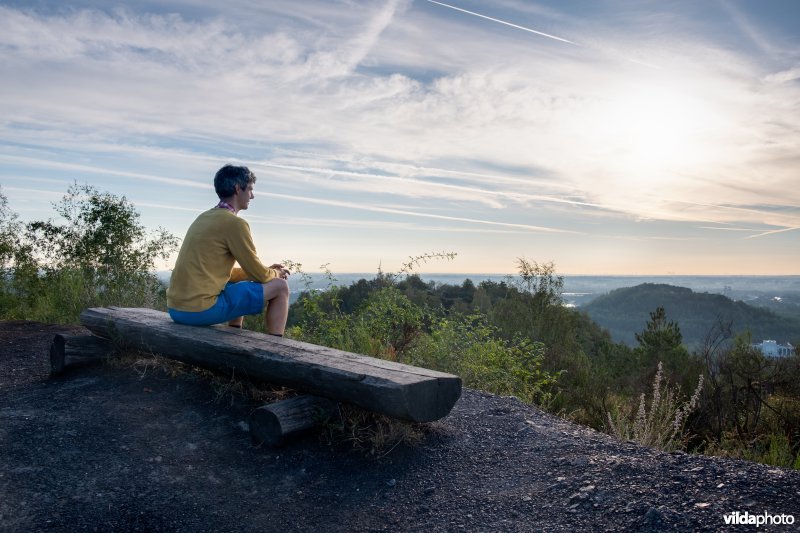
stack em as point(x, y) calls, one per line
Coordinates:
point(623, 312)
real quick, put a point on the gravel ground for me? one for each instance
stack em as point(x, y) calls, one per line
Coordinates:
point(110, 448)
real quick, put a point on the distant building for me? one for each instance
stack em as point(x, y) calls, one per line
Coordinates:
point(773, 349)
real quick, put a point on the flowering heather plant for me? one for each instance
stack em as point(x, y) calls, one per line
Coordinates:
point(662, 425)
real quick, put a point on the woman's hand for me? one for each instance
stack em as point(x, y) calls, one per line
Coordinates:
point(282, 272)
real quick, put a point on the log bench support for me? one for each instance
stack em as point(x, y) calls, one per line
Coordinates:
point(385, 387)
point(276, 423)
point(71, 347)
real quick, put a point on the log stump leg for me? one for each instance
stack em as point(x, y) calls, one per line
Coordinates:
point(273, 424)
point(66, 347)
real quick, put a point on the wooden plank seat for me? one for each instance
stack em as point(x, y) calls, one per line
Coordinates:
point(394, 389)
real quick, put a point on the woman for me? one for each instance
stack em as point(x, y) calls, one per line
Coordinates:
point(205, 288)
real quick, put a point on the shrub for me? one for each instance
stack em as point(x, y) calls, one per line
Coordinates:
point(97, 254)
point(470, 348)
point(661, 425)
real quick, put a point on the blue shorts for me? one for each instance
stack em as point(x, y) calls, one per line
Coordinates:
point(235, 300)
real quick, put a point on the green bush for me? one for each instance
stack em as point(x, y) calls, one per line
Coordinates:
point(470, 348)
point(96, 254)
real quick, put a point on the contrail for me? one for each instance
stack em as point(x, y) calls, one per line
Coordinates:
point(504, 22)
point(423, 183)
point(352, 205)
point(773, 232)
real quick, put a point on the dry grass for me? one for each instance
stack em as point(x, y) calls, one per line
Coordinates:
point(375, 434)
point(372, 433)
point(660, 426)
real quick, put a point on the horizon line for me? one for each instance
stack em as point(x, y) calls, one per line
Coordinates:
point(500, 274)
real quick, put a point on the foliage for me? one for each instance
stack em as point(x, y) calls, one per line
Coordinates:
point(9, 229)
point(541, 280)
point(96, 254)
point(415, 261)
point(662, 424)
point(515, 337)
point(660, 343)
point(621, 310)
point(382, 321)
point(751, 408)
point(470, 348)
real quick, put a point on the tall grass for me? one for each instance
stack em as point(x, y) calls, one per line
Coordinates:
point(660, 425)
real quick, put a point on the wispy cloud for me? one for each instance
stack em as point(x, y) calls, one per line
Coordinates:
point(103, 171)
point(377, 209)
point(427, 188)
point(374, 224)
point(784, 76)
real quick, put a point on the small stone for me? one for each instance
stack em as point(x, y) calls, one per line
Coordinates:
point(654, 517)
point(392, 482)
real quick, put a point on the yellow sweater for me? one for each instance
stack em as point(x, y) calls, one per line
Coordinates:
point(214, 242)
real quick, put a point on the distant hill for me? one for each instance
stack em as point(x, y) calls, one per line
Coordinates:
point(625, 312)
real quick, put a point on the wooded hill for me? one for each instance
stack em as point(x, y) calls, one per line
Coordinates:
point(623, 312)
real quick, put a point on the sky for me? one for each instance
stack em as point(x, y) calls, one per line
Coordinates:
point(604, 136)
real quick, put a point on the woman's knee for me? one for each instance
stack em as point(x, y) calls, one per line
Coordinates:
point(276, 288)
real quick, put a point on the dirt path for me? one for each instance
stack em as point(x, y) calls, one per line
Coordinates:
point(106, 448)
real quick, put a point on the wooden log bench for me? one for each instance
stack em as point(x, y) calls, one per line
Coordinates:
point(394, 389)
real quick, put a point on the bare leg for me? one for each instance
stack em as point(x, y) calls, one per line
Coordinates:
point(276, 302)
point(236, 322)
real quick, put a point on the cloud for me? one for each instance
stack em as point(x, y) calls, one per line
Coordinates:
point(784, 76)
point(104, 171)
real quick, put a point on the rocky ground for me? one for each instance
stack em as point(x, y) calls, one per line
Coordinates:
point(107, 447)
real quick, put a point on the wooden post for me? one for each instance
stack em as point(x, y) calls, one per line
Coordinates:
point(275, 423)
point(64, 346)
point(394, 389)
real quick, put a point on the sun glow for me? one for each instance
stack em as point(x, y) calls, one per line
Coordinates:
point(654, 134)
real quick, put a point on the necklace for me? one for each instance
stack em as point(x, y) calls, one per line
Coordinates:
point(226, 205)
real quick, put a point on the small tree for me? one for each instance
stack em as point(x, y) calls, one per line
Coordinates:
point(662, 342)
point(9, 229)
point(97, 254)
point(100, 232)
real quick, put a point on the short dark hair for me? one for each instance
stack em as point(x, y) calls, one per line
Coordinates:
point(229, 176)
